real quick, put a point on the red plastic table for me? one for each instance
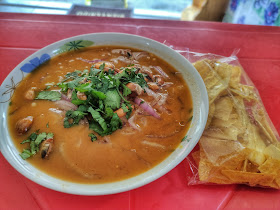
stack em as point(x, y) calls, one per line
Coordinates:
point(23, 34)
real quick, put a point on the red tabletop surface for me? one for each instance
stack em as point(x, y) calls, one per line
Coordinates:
point(23, 34)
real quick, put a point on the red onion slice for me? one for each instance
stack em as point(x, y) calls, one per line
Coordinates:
point(65, 98)
point(132, 123)
point(122, 59)
point(160, 71)
point(150, 92)
point(145, 106)
point(65, 105)
point(160, 98)
point(138, 55)
point(90, 61)
point(153, 144)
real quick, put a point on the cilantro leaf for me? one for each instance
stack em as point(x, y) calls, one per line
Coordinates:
point(101, 67)
point(97, 128)
point(49, 95)
point(108, 112)
point(35, 140)
point(125, 109)
point(113, 99)
point(33, 136)
point(47, 87)
point(83, 108)
point(73, 74)
point(115, 123)
point(86, 87)
point(97, 117)
point(75, 100)
point(103, 85)
point(92, 137)
point(93, 71)
point(74, 83)
point(40, 138)
point(98, 94)
point(25, 141)
point(25, 154)
point(72, 118)
point(101, 104)
point(33, 147)
point(185, 138)
point(63, 86)
point(126, 90)
point(49, 136)
point(122, 74)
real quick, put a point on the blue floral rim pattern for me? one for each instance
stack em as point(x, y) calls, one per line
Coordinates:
point(34, 63)
point(69, 46)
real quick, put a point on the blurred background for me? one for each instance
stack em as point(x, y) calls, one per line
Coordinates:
point(255, 12)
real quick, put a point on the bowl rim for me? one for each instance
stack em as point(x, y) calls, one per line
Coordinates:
point(71, 187)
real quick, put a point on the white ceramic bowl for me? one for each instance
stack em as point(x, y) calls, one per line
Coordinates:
point(191, 76)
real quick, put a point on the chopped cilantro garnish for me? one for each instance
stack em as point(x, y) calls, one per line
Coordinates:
point(125, 109)
point(98, 118)
point(63, 86)
point(47, 87)
point(86, 87)
point(49, 135)
point(49, 95)
point(98, 94)
point(126, 90)
point(32, 137)
point(104, 91)
point(92, 137)
point(26, 154)
point(25, 141)
point(108, 112)
point(115, 123)
point(35, 140)
point(113, 99)
point(185, 138)
point(40, 138)
point(73, 118)
point(76, 100)
point(47, 125)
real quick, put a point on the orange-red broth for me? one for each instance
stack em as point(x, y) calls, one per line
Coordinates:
point(74, 157)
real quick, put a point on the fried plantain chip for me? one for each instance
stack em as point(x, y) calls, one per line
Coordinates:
point(204, 167)
point(210, 114)
point(261, 118)
point(252, 179)
point(272, 151)
point(224, 106)
point(196, 157)
point(244, 91)
point(271, 166)
point(213, 81)
point(235, 76)
point(215, 149)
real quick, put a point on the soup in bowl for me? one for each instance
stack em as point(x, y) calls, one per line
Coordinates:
point(102, 113)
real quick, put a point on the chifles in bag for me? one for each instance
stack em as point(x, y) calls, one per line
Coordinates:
point(239, 143)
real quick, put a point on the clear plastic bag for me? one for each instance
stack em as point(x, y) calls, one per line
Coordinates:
point(239, 145)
